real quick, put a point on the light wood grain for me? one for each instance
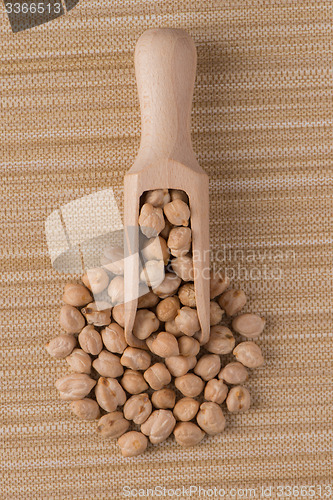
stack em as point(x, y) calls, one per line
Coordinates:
point(165, 66)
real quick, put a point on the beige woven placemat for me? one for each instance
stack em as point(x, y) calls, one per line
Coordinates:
point(262, 129)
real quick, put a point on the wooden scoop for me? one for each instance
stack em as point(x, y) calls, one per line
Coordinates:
point(165, 67)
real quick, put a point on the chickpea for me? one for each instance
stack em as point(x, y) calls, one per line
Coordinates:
point(188, 346)
point(218, 284)
point(248, 325)
point(166, 231)
point(238, 399)
point(71, 319)
point(165, 345)
point(171, 327)
point(177, 212)
point(188, 434)
point(183, 267)
point(97, 313)
point(169, 286)
point(61, 346)
point(190, 385)
point(157, 376)
point(116, 290)
point(86, 408)
point(153, 273)
point(186, 409)
point(113, 260)
point(210, 418)
point(234, 373)
point(74, 386)
point(186, 295)
point(179, 241)
point(151, 220)
point(159, 426)
point(133, 382)
point(249, 354)
point(145, 323)
point(109, 394)
point(157, 197)
point(114, 338)
point(156, 249)
point(112, 425)
point(149, 299)
point(108, 365)
point(149, 341)
point(216, 314)
point(187, 321)
point(132, 444)
point(96, 280)
point(215, 391)
point(167, 309)
point(180, 365)
point(136, 359)
point(164, 399)
point(178, 194)
point(118, 313)
point(221, 340)
point(232, 301)
point(79, 361)
point(138, 408)
point(76, 295)
point(90, 340)
point(208, 366)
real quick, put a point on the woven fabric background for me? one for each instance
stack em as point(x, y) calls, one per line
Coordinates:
point(262, 129)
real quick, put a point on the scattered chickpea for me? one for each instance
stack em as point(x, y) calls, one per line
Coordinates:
point(109, 394)
point(164, 399)
point(187, 321)
point(238, 399)
point(108, 365)
point(186, 409)
point(180, 365)
point(215, 391)
point(114, 338)
point(208, 366)
point(167, 309)
point(177, 212)
point(159, 426)
point(183, 267)
point(71, 319)
point(76, 295)
point(188, 434)
point(136, 359)
point(149, 299)
point(156, 249)
point(234, 373)
point(232, 301)
point(138, 408)
point(116, 290)
point(133, 382)
point(179, 241)
point(97, 313)
point(86, 409)
point(132, 444)
point(79, 361)
point(74, 386)
point(113, 260)
point(145, 323)
point(216, 314)
point(96, 280)
point(249, 325)
point(157, 376)
point(190, 385)
point(221, 340)
point(171, 327)
point(118, 314)
point(153, 273)
point(186, 295)
point(210, 418)
point(188, 346)
point(112, 425)
point(218, 284)
point(61, 346)
point(249, 354)
point(165, 345)
point(90, 340)
point(151, 220)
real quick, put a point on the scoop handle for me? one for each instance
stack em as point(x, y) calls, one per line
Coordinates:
point(165, 67)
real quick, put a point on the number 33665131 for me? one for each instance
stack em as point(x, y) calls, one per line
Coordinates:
point(33, 8)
